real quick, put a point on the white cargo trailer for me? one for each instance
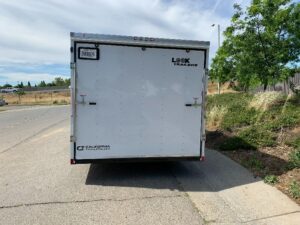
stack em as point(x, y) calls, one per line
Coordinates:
point(137, 98)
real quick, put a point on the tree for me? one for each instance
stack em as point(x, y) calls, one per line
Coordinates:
point(42, 84)
point(7, 85)
point(58, 81)
point(262, 45)
point(28, 84)
point(51, 84)
point(67, 82)
point(20, 85)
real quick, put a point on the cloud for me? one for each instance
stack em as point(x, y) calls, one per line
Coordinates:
point(37, 32)
point(18, 77)
point(34, 73)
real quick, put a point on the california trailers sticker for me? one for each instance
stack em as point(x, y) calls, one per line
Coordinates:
point(93, 147)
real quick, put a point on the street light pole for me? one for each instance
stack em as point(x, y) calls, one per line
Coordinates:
point(218, 35)
point(219, 91)
point(219, 43)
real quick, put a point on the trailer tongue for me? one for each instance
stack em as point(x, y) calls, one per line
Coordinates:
point(137, 98)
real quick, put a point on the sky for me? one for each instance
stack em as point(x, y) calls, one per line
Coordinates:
point(35, 34)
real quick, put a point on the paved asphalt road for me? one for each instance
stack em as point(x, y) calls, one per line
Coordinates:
point(39, 186)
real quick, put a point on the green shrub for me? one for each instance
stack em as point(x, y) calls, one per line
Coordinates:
point(294, 99)
point(256, 119)
point(294, 159)
point(236, 143)
point(55, 102)
point(20, 93)
point(289, 117)
point(238, 113)
point(294, 189)
point(238, 116)
point(271, 179)
point(282, 116)
point(253, 163)
point(229, 98)
point(294, 142)
point(258, 136)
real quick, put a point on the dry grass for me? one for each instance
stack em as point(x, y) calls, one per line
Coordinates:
point(37, 98)
point(215, 116)
point(262, 101)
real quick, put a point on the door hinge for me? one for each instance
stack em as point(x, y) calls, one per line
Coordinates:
point(206, 72)
point(72, 65)
point(203, 137)
point(72, 138)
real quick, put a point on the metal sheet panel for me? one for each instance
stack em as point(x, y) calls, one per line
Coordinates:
point(139, 101)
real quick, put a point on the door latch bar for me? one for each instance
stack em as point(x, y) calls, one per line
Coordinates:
point(82, 99)
point(195, 104)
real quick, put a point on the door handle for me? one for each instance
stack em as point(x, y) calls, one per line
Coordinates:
point(82, 99)
point(195, 104)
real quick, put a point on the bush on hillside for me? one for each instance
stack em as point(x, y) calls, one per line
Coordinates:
point(253, 124)
point(258, 136)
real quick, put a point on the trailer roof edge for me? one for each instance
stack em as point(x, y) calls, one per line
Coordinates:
point(137, 40)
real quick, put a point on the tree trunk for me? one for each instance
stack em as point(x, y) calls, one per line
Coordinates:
point(265, 86)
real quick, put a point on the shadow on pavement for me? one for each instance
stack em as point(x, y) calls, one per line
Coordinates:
point(216, 173)
point(156, 175)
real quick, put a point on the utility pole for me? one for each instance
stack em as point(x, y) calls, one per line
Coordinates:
point(219, 43)
point(219, 88)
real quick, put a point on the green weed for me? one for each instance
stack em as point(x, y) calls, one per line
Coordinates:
point(294, 142)
point(294, 159)
point(294, 190)
point(253, 163)
point(258, 136)
point(271, 179)
point(238, 116)
point(255, 119)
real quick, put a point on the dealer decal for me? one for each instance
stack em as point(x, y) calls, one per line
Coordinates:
point(88, 53)
point(183, 62)
point(93, 147)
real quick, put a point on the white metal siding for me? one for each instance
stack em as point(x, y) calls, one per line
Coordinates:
point(140, 103)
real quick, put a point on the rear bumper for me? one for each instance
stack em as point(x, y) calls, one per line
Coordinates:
point(148, 159)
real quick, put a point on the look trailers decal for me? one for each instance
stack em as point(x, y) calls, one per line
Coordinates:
point(93, 147)
point(183, 62)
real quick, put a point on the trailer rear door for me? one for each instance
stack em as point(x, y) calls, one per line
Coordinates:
point(134, 102)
